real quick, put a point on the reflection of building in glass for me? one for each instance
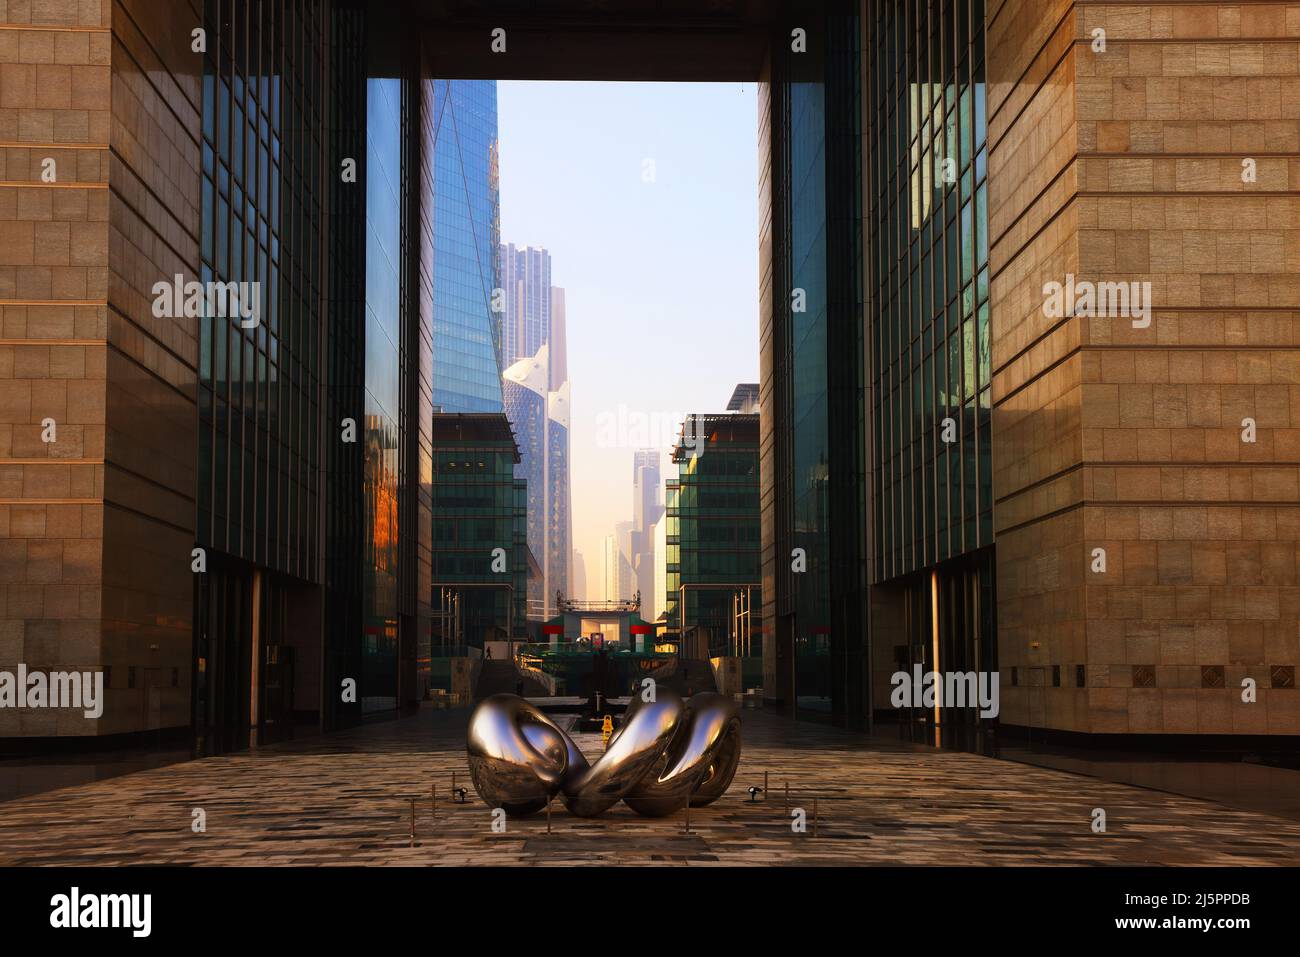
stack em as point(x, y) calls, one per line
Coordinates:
point(383, 391)
point(713, 596)
point(479, 593)
point(465, 246)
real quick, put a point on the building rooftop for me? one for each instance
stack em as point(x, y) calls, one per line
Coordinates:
point(744, 398)
point(714, 428)
point(465, 428)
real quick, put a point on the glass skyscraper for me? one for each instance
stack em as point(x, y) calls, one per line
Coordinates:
point(534, 344)
point(466, 222)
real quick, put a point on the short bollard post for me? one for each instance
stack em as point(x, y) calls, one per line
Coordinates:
point(413, 822)
point(688, 814)
point(765, 786)
point(787, 795)
point(548, 817)
point(433, 801)
point(814, 817)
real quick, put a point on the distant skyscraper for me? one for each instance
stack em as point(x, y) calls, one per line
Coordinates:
point(526, 399)
point(526, 279)
point(609, 569)
point(661, 569)
point(558, 340)
point(626, 580)
point(647, 507)
point(578, 576)
point(534, 348)
point(558, 519)
point(464, 257)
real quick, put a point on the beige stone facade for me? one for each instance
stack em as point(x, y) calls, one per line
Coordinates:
point(1127, 165)
point(96, 526)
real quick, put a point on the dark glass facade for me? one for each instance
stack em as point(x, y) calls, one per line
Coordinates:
point(478, 507)
point(307, 495)
point(262, 197)
point(930, 343)
point(930, 284)
point(259, 483)
point(466, 243)
point(816, 486)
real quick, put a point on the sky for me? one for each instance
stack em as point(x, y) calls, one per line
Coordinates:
point(646, 196)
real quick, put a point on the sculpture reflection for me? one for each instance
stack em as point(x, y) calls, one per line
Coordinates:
point(666, 752)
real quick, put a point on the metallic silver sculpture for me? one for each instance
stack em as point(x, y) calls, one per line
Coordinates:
point(665, 753)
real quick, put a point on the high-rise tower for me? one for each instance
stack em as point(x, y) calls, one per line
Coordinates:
point(465, 246)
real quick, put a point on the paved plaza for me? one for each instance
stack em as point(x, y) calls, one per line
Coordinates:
point(345, 798)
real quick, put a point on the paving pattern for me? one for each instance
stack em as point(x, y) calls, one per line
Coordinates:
point(345, 798)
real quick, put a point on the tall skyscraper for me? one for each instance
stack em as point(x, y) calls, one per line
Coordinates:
point(558, 518)
point(609, 569)
point(647, 507)
point(465, 246)
point(526, 398)
point(536, 394)
point(578, 576)
point(526, 279)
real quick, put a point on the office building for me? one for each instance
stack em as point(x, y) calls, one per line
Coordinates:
point(535, 352)
point(713, 595)
point(647, 508)
point(1099, 505)
point(480, 559)
point(465, 245)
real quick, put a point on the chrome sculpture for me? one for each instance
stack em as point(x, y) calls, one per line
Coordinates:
point(666, 752)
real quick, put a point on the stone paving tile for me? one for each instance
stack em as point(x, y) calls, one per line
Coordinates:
point(345, 799)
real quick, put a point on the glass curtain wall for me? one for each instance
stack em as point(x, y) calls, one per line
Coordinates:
point(715, 552)
point(930, 279)
point(261, 195)
point(931, 370)
point(817, 367)
point(475, 511)
point(467, 246)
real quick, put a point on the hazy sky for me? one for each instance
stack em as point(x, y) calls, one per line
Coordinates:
point(661, 277)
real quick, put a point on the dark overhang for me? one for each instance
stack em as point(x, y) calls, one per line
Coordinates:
point(638, 40)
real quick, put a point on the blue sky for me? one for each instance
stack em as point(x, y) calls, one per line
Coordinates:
point(661, 277)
